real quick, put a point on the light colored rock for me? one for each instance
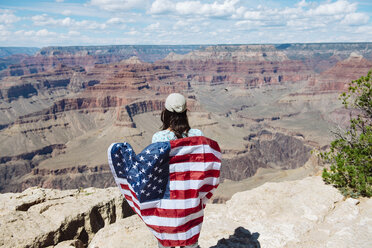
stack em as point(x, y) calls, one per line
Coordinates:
point(128, 232)
point(302, 213)
point(43, 217)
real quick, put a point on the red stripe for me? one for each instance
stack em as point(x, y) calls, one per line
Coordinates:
point(190, 193)
point(209, 195)
point(194, 141)
point(129, 198)
point(126, 187)
point(197, 157)
point(177, 229)
point(193, 175)
point(170, 213)
point(189, 241)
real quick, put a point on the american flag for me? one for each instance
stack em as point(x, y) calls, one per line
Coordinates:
point(168, 184)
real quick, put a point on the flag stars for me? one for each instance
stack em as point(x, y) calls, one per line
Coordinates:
point(160, 180)
point(148, 151)
point(156, 156)
point(144, 180)
point(150, 175)
point(154, 188)
point(118, 164)
point(142, 191)
point(128, 150)
point(116, 155)
point(149, 163)
point(161, 150)
point(160, 170)
point(147, 194)
point(143, 171)
point(160, 191)
point(142, 158)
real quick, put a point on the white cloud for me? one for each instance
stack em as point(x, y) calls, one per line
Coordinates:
point(73, 33)
point(161, 7)
point(133, 32)
point(45, 20)
point(215, 9)
point(119, 5)
point(153, 26)
point(39, 33)
point(116, 20)
point(7, 17)
point(355, 19)
point(66, 12)
point(338, 7)
point(303, 3)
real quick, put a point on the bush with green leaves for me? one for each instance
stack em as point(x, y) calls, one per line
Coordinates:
point(350, 155)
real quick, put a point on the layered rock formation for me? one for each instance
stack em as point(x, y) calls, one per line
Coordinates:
point(63, 107)
point(43, 217)
point(247, 66)
point(302, 213)
point(337, 78)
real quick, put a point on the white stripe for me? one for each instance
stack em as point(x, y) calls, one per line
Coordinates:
point(172, 222)
point(178, 236)
point(110, 160)
point(198, 149)
point(194, 166)
point(165, 203)
point(193, 184)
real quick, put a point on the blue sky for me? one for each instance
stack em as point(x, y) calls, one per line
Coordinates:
point(104, 22)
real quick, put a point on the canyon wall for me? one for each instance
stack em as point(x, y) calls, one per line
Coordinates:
point(266, 105)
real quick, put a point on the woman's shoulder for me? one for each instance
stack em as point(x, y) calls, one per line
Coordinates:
point(163, 135)
point(195, 132)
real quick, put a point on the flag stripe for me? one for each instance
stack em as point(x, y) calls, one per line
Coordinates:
point(194, 166)
point(178, 229)
point(169, 243)
point(193, 175)
point(193, 184)
point(207, 157)
point(194, 141)
point(178, 236)
point(193, 150)
point(171, 213)
point(190, 193)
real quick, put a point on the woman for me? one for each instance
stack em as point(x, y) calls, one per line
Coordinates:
point(175, 126)
point(175, 122)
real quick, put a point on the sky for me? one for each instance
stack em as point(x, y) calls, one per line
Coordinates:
point(40, 23)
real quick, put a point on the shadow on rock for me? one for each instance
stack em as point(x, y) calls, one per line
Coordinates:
point(242, 238)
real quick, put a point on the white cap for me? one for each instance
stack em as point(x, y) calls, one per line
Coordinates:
point(175, 102)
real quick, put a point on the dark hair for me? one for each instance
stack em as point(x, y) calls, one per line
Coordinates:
point(177, 122)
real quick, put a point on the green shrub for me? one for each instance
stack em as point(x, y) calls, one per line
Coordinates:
point(350, 154)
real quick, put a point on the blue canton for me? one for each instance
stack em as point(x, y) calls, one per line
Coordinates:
point(147, 172)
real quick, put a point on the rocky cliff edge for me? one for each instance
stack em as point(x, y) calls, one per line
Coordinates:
point(302, 213)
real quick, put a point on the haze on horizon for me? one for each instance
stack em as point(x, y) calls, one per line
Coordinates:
point(38, 23)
